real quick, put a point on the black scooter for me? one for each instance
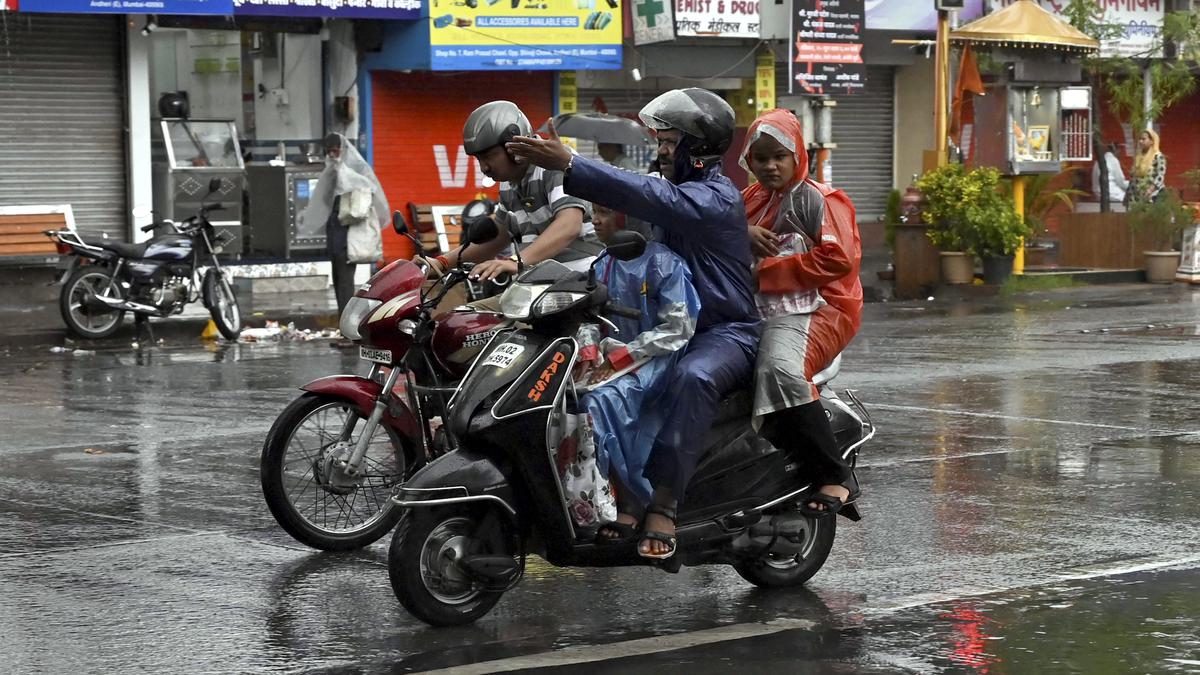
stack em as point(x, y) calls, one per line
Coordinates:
point(473, 515)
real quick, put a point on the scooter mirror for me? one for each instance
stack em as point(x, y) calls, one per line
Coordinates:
point(626, 245)
point(399, 224)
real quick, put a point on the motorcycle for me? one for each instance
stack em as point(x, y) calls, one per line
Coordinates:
point(335, 454)
point(156, 278)
point(473, 515)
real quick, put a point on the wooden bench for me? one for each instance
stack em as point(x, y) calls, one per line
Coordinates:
point(438, 227)
point(21, 229)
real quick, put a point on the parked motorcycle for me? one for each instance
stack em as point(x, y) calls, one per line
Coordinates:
point(471, 516)
point(334, 456)
point(157, 278)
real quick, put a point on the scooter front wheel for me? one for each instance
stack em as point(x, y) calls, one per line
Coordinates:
point(774, 571)
point(426, 561)
point(308, 492)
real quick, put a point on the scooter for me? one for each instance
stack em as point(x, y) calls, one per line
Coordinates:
point(473, 515)
point(334, 455)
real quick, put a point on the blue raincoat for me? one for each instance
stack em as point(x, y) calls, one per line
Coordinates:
point(704, 221)
point(659, 284)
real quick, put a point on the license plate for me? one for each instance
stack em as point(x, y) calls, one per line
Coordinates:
point(504, 355)
point(376, 355)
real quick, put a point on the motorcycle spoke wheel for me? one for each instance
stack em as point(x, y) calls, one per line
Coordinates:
point(311, 496)
point(224, 309)
point(79, 308)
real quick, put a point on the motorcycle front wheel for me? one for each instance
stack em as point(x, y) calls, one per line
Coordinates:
point(84, 315)
point(425, 561)
point(223, 304)
point(773, 571)
point(310, 496)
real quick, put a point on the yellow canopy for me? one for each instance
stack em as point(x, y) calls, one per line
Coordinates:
point(1024, 24)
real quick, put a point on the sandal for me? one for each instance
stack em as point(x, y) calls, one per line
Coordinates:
point(625, 533)
point(832, 505)
point(670, 540)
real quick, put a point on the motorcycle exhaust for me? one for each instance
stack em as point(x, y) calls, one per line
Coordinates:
point(128, 305)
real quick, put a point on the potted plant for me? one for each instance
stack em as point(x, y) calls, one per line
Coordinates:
point(970, 217)
point(1041, 197)
point(1165, 219)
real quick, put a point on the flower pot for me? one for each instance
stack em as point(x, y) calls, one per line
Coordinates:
point(1161, 266)
point(996, 269)
point(957, 267)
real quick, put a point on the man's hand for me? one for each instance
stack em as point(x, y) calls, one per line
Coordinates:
point(490, 269)
point(433, 268)
point(763, 242)
point(547, 153)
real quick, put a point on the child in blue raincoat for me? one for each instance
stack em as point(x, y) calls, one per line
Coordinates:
point(659, 284)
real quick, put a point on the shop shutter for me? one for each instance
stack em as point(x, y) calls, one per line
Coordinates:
point(62, 123)
point(864, 130)
point(622, 102)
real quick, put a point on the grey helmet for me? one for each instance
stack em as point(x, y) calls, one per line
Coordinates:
point(493, 124)
point(699, 113)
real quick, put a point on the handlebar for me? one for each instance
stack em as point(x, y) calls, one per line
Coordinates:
point(626, 312)
point(149, 228)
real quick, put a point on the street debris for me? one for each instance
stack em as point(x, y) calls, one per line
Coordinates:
point(274, 332)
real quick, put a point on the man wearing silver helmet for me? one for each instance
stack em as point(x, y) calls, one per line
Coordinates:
point(550, 223)
point(699, 215)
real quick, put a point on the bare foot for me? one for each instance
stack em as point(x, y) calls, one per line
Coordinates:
point(607, 532)
point(656, 522)
point(838, 492)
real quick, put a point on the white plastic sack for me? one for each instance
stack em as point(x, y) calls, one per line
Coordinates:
point(589, 495)
point(354, 207)
point(364, 243)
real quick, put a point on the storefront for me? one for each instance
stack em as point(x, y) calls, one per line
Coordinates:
point(62, 116)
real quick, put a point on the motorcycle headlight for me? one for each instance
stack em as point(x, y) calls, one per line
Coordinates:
point(357, 309)
point(551, 303)
point(517, 301)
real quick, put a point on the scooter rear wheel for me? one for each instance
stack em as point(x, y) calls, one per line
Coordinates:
point(774, 572)
point(424, 562)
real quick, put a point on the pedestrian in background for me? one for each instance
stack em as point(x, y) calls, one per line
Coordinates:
point(614, 153)
point(1117, 183)
point(1149, 169)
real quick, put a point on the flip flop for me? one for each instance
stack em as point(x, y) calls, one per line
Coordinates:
point(670, 540)
point(625, 533)
point(832, 505)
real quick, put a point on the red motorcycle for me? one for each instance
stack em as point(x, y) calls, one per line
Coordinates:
point(335, 455)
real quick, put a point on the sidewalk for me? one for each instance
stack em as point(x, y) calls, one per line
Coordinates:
point(29, 311)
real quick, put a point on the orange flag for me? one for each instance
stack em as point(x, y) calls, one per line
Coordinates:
point(962, 110)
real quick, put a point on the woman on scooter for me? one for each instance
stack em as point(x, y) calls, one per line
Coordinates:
point(658, 284)
point(807, 249)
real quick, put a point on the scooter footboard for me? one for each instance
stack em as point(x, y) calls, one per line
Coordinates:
point(458, 477)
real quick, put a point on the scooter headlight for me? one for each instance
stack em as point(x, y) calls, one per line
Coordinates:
point(356, 310)
point(517, 302)
point(552, 303)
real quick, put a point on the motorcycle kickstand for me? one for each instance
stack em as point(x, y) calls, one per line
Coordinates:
point(142, 322)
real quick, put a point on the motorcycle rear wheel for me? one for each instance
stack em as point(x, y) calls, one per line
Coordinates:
point(223, 304)
point(309, 498)
point(81, 319)
point(423, 567)
point(774, 572)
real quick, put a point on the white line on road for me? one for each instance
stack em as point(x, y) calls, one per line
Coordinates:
point(616, 650)
point(1015, 418)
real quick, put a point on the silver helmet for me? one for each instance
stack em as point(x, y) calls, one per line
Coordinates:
point(493, 124)
point(699, 113)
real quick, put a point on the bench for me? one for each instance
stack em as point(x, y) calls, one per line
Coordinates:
point(21, 229)
point(438, 227)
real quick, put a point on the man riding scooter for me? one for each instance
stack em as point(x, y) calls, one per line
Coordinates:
point(551, 224)
point(701, 217)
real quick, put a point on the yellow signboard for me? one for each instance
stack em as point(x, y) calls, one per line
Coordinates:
point(525, 34)
point(764, 79)
point(568, 93)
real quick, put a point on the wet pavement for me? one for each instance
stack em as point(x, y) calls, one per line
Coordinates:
point(1031, 505)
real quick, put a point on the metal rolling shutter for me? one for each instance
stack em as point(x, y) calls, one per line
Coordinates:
point(623, 102)
point(864, 128)
point(62, 123)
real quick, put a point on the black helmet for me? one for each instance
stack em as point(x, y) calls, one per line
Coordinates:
point(699, 113)
point(174, 104)
point(494, 124)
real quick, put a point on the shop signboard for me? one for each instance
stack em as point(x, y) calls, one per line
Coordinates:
point(717, 18)
point(8, 5)
point(914, 17)
point(826, 51)
point(1141, 20)
point(653, 21)
point(193, 7)
point(526, 35)
point(333, 9)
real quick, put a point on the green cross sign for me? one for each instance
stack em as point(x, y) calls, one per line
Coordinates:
point(649, 10)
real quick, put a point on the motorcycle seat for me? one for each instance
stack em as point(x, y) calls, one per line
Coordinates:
point(120, 248)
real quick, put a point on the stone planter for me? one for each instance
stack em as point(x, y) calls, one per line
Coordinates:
point(1161, 266)
point(996, 269)
point(915, 261)
point(957, 267)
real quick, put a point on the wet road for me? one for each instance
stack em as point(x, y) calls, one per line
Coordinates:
point(1031, 504)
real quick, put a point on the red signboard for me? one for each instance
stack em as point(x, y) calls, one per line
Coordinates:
point(417, 121)
point(8, 5)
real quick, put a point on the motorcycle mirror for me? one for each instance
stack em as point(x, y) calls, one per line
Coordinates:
point(399, 224)
point(142, 211)
point(626, 245)
point(479, 231)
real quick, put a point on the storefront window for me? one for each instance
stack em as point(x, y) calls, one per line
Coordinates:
point(202, 144)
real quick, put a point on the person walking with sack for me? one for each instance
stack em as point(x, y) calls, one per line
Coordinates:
point(349, 200)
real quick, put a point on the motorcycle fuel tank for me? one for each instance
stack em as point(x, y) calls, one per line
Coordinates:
point(169, 247)
point(461, 335)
